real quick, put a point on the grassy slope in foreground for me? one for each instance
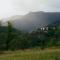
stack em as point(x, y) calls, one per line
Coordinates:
point(47, 54)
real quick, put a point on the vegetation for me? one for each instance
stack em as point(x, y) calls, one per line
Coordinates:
point(32, 54)
point(29, 45)
point(13, 39)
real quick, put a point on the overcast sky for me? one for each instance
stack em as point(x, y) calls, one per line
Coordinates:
point(21, 7)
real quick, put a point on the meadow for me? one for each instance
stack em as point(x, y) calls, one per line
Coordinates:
point(32, 54)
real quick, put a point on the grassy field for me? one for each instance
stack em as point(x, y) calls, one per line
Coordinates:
point(32, 54)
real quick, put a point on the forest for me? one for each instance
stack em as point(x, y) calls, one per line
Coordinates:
point(14, 39)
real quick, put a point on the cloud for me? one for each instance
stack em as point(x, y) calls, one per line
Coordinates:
point(18, 7)
point(35, 5)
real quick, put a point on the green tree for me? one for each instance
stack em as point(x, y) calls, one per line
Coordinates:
point(9, 35)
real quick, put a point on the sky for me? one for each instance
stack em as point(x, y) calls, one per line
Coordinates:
point(22, 7)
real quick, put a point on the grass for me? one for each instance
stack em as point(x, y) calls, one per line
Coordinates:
point(32, 54)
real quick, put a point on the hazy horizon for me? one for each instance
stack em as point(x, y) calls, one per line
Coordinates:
point(21, 7)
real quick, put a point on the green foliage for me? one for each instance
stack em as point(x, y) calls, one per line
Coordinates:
point(12, 39)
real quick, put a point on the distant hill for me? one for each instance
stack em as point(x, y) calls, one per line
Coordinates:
point(34, 20)
point(56, 23)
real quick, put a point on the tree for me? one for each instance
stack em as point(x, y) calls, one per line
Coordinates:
point(9, 35)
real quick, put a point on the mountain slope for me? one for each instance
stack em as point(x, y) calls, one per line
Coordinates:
point(34, 20)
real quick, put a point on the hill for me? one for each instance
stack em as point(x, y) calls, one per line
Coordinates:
point(34, 20)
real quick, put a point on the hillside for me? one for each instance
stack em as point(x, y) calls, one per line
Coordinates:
point(34, 20)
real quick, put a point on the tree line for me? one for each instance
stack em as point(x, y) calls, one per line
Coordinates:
point(13, 39)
